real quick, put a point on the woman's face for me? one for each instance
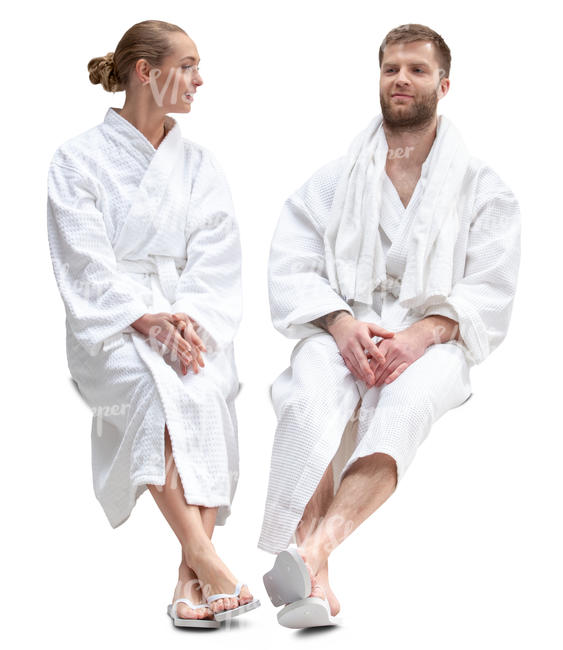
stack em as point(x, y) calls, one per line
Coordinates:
point(175, 82)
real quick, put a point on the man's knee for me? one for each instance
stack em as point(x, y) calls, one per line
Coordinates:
point(390, 466)
point(378, 462)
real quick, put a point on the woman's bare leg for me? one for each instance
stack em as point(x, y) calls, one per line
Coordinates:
point(188, 583)
point(208, 517)
point(200, 558)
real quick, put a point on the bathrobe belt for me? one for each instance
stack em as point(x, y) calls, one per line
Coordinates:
point(166, 267)
point(391, 284)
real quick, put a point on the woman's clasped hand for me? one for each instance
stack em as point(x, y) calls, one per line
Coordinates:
point(178, 332)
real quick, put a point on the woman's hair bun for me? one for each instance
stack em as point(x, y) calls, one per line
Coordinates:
point(101, 70)
point(149, 40)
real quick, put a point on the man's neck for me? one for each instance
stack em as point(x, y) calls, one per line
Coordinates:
point(409, 148)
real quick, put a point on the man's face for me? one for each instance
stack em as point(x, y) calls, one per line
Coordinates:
point(411, 84)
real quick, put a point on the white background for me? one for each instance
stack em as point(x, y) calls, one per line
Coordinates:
point(467, 553)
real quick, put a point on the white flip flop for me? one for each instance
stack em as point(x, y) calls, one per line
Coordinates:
point(289, 578)
point(190, 622)
point(236, 611)
point(307, 612)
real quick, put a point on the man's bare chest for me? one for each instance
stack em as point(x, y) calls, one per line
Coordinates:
point(405, 181)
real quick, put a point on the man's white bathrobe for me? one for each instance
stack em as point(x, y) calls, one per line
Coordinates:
point(323, 411)
point(134, 230)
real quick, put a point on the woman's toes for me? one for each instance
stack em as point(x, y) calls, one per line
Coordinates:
point(245, 596)
point(218, 605)
point(184, 611)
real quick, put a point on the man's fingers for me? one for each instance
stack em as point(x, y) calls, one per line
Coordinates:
point(353, 367)
point(390, 369)
point(376, 330)
point(350, 367)
point(374, 351)
point(401, 368)
point(361, 359)
point(381, 372)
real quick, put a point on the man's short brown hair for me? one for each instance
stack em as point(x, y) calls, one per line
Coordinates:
point(412, 32)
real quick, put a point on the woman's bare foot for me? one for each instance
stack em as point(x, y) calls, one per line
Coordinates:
point(188, 587)
point(215, 578)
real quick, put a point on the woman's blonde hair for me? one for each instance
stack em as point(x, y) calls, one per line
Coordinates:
point(146, 40)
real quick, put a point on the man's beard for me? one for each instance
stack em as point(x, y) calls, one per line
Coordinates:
point(417, 115)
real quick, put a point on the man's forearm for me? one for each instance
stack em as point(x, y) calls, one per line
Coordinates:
point(437, 329)
point(329, 319)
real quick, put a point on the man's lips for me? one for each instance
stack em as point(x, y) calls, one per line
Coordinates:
point(401, 95)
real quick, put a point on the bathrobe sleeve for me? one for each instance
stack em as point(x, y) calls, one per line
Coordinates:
point(209, 288)
point(99, 301)
point(299, 288)
point(481, 302)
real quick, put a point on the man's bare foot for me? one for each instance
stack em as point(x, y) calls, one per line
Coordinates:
point(320, 587)
point(322, 579)
point(216, 578)
point(188, 587)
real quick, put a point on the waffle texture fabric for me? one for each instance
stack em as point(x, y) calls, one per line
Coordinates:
point(316, 398)
point(134, 230)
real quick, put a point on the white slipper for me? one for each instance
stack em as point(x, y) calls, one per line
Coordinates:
point(289, 578)
point(236, 611)
point(307, 612)
point(190, 622)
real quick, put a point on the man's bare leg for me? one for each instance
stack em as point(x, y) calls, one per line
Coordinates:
point(367, 484)
point(314, 512)
point(201, 565)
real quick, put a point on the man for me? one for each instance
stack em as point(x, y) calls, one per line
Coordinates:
point(396, 266)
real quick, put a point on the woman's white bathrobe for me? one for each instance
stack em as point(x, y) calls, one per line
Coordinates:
point(134, 230)
point(323, 412)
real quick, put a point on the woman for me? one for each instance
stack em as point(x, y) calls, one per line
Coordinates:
point(146, 255)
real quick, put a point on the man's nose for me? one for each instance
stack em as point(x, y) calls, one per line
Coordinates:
point(402, 77)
